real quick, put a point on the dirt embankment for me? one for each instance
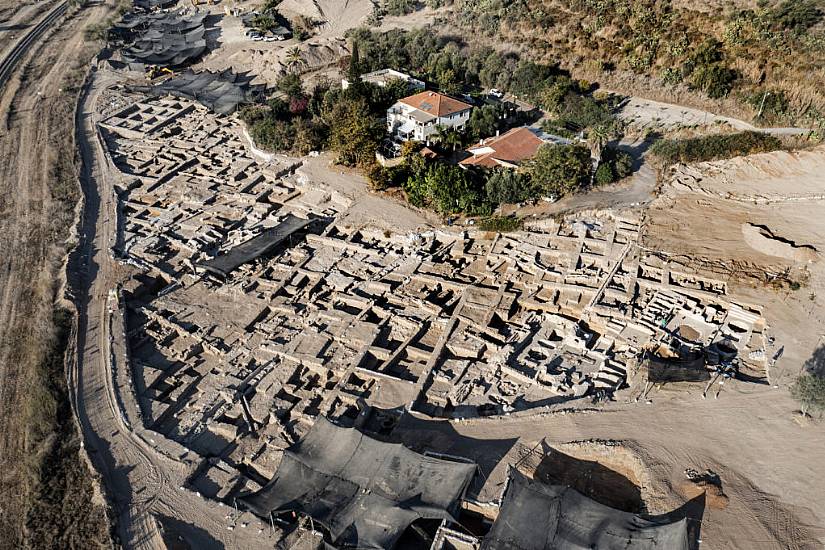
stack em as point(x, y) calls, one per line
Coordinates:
point(756, 222)
point(46, 489)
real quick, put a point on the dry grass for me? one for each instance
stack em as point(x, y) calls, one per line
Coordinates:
point(46, 489)
point(634, 46)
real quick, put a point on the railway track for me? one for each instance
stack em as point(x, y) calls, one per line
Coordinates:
point(8, 64)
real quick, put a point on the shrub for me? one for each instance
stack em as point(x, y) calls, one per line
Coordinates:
point(615, 165)
point(291, 85)
point(714, 80)
point(797, 15)
point(273, 135)
point(604, 174)
point(809, 391)
point(500, 224)
point(378, 176)
point(401, 7)
point(578, 112)
point(770, 105)
point(714, 147)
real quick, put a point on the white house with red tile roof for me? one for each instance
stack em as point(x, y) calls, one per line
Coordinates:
point(418, 116)
point(509, 150)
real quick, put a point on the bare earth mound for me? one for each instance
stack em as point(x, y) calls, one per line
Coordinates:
point(337, 16)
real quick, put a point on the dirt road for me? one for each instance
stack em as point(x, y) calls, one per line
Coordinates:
point(37, 194)
point(770, 464)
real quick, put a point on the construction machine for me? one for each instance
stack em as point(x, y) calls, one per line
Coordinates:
point(153, 72)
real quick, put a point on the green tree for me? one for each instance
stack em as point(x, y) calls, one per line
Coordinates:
point(294, 59)
point(448, 137)
point(506, 186)
point(603, 175)
point(395, 89)
point(354, 132)
point(450, 190)
point(446, 188)
point(356, 67)
point(598, 137)
point(551, 98)
point(484, 121)
point(560, 169)
point(378, 176)
point(273, 135)
point(448, 82)
point(809, 391)
point(307, 136)
point(291, 85)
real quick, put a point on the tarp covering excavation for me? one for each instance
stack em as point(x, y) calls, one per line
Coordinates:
point(679, 369)
point(535, 516)
point(255, 247)
point(169, 39)
point(364, 491)
point(219, 92)
point(155, 4)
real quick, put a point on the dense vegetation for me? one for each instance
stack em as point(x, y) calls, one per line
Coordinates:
point(455, 67)
point(556, 170)
point(351, 123)
point(713, 147)
point(777, 46)
point(500, 224)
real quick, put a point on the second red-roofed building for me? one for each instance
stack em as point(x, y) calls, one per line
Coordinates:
point(509, 150)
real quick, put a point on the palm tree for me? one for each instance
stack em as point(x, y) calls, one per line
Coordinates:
point(294, 58)
point(598, 137)
point(448, 137)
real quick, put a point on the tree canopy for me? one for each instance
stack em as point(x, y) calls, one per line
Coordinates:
point(560, 169)
point(809, 391)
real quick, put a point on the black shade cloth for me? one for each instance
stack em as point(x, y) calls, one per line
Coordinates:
point(535, 516)
point(364, 491)
point(255, 247)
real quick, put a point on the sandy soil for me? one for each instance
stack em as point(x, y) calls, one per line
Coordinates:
point(645, 114)
point(768, 463)
point(335, 16)
point(319, 54)
point(747, 216)
point(366, 209)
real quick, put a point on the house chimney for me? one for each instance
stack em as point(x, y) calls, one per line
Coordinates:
point(498, 132)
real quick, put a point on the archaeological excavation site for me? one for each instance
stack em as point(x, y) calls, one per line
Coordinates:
point(377, 274)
